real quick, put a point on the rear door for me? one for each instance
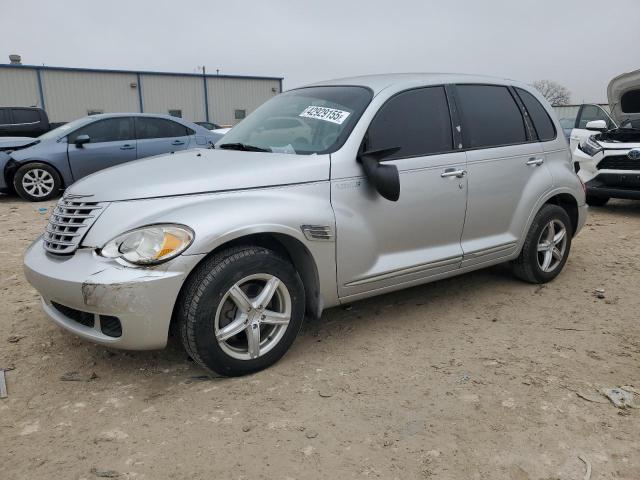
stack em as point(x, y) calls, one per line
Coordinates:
point(160, 135)
point(506, 169)
point(112, 142)
point(5, 121)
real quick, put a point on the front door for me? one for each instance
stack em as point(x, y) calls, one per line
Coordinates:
point(506, 171)
point(383, 244)
point(111, 142)
point(160, 135)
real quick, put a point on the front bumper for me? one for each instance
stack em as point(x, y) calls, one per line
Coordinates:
point(615, 185)
point(142, 299)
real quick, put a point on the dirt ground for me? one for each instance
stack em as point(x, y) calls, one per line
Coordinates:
point(475, 377)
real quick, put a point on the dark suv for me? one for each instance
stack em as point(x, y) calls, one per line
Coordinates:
point(23, 122)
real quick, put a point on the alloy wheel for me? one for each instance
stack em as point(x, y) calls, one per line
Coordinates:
point(253, 316)
point(38, 183)
point(552, 245)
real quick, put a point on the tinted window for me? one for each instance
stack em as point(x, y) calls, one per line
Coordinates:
point(4, 116)
point(417, 121)
point(538, 115)
point(159, 128)
point(108, 130)
point(22, 115)
point(593, 112)
point(490, 116)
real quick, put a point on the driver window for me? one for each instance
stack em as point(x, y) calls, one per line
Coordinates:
point(417, 121)
point(107, 130)
point(593, 112)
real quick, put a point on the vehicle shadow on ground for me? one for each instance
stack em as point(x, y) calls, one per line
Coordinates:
point(336, 326)
point(619, 208)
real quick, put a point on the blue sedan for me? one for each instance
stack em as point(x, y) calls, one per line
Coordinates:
point(38, 169)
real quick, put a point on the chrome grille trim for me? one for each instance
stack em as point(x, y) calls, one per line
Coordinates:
point(67, 225)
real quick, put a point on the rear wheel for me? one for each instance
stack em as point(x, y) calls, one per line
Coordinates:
point(241, 310)
point(594, 201)
point(37, 182)
point(546, 247)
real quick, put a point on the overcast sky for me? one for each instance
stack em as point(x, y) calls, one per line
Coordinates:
point(579, 43)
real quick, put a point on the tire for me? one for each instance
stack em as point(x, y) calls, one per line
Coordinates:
point(530, 265)
point(207, 305)
point(593, 201)
point(37, 182)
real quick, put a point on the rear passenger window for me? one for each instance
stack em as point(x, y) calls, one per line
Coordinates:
point(22, 115)
point(159, 128)
point(490, 116)
point(417, 121)
point(538, 115)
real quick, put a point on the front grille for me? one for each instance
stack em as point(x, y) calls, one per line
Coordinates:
point(618, 162)
point(68, 223)
point(84, 318)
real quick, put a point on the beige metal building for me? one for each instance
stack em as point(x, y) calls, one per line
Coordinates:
point(70, 93)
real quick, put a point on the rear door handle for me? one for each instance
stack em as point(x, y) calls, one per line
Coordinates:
point(177, 142)
point(535, 161)
point(452, 172)
point(127, 147)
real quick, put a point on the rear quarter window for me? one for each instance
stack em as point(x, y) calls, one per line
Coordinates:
point(538, 115)
point(490, 116)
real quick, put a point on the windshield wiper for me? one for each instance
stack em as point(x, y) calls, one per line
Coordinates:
point(242, 146)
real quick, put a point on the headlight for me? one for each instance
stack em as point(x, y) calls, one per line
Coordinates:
point(591, 147)
point(149, 245)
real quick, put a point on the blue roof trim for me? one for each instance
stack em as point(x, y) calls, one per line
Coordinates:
point(134, 72)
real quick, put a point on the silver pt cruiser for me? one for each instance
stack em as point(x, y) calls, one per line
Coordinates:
point(324, 195)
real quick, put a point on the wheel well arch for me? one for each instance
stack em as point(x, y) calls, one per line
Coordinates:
point(569, 204)
point(12, 167)
point(290, 248)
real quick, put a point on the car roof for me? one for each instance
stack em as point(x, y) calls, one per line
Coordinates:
point(152, 115)
point(379, 82)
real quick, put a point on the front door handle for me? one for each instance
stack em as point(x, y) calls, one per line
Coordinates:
point(127, 147)
point(177, 142)
point(452, 172)
point(535, 161)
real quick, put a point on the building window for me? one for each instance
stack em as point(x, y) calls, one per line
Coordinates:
point(175, 113)
point(94, 112)
point(240, 114)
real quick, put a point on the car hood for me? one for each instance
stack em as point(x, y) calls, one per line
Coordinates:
point(12, 143)
point(618, 87)
point(199, 171)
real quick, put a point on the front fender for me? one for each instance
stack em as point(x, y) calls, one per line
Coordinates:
point(219, 218)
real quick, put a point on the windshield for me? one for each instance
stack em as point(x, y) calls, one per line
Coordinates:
point(304, 121)
point(62, 130)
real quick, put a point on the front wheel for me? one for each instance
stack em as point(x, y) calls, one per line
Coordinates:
point(546, 246)
point(37, 182)
point(241, 310)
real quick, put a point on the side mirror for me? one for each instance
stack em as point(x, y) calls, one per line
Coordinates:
point(81, 140)
point(597, 125)
point(385, 178)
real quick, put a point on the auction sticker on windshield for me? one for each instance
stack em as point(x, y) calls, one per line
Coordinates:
point(332, 115)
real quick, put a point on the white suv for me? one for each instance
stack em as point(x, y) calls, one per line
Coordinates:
point(608, 159)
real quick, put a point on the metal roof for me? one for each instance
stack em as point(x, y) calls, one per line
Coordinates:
point(141, 72)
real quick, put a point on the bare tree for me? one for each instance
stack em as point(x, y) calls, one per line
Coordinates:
point(555, 93)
